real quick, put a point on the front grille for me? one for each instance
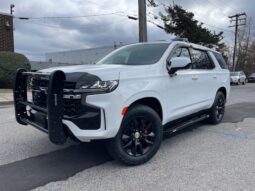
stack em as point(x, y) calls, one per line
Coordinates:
point(69, 85)
point(72, 106)
point(38, 84)
point(39, 95)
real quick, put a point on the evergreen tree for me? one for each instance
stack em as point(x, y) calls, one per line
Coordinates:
point(181, 23)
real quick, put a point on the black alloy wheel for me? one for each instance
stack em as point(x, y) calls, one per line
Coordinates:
point(139, 136)
point(218, 109)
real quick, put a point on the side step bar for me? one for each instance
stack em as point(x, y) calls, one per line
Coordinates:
point(187, 123)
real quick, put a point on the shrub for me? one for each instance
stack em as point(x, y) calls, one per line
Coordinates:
point(9, 63)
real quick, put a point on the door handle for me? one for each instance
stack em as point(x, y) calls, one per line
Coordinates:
point(214, 77)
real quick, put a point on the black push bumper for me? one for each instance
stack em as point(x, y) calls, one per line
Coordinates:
point(51, 122)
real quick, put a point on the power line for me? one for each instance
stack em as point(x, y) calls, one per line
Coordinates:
point(149, 21)
point(199, 2)
point(157, 25)
point(58, 26)
point(216, 27)
point(92, 2)
point(68, 17)
point(220, 28)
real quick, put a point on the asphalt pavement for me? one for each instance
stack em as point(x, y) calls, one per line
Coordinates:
point(202, 157)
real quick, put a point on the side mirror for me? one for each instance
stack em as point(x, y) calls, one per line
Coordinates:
point(177, 63)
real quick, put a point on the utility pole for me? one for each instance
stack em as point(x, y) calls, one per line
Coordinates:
point(237, 18)
point(11, 8)
point(142, 20)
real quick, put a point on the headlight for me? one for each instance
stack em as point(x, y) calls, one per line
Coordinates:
point(100, 86)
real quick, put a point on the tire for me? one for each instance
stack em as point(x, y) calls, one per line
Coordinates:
point(244, 82)
point(139, 136)
point(218, 109)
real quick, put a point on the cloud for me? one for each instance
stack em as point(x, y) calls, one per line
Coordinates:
point(37, 36)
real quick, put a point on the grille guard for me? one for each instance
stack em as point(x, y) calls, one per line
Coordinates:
point(55, 108)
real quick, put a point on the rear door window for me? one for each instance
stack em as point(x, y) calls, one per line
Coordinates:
point(200, 59)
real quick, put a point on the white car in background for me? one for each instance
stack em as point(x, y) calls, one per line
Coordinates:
point(238, 78)
point(129, 98)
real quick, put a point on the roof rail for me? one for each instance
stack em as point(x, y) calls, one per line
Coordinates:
point(180, 39)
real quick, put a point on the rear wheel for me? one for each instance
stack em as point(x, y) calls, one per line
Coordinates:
point(218, 109)
point(139, 137)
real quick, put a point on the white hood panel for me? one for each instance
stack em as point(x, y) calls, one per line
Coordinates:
point(105, 72)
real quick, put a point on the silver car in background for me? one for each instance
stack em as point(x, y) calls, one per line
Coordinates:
point(238, 78)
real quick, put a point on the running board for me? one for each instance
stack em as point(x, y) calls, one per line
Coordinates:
point(185, 124)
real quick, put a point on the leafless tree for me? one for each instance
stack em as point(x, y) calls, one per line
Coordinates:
point(246, 48)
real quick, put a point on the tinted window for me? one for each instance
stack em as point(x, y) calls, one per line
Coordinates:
point(200, 59)
point(139, 54)
point(220, 60)
point(181, 52)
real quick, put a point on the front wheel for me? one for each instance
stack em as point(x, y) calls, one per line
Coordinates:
point(139, 137)
point(218, 109)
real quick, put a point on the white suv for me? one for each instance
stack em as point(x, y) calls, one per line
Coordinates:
point(129, 98)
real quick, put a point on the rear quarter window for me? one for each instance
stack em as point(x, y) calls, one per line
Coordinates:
point(220, 60)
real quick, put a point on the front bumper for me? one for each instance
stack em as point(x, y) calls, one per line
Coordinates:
point(56, 117)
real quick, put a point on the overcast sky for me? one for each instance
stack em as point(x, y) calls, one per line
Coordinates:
point(34, 37)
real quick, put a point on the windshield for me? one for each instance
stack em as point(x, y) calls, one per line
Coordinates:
point(139, 54)
point(253, 75)
point(234, 74)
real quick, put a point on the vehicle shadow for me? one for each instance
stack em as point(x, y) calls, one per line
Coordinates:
point(54, 166)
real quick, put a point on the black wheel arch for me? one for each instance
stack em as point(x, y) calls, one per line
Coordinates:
point(151, 102)
point(223, 90)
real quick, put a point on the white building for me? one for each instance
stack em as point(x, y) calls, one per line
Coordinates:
point(83, 56)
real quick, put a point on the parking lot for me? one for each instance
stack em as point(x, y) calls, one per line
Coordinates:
point(202, 157)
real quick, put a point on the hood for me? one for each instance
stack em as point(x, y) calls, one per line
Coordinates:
point(106, 72)
point(89, 74)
